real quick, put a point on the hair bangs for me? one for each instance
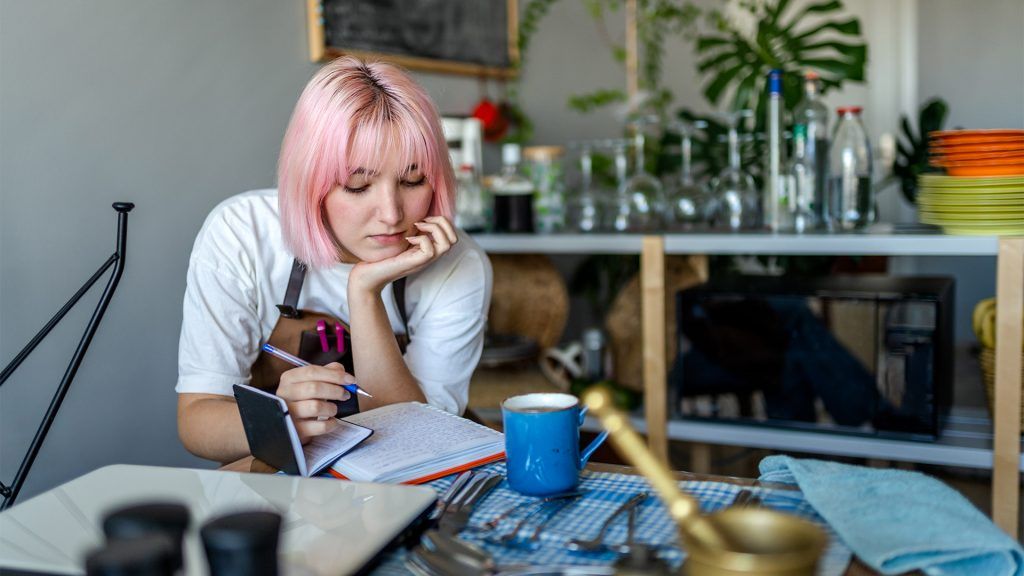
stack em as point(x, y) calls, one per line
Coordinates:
point(383, 134)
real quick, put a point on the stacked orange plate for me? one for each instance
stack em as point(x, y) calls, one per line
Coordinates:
point(978, 153)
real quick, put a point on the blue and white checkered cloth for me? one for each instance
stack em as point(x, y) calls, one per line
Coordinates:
point(581, 518)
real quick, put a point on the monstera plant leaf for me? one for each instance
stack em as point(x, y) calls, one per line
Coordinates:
point(912, 149)
point(785, 39)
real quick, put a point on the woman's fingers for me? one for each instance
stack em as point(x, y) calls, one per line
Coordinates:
point(437, 235)
point(446, 225)
point(312, 409)
point(308, 429)
point(423, 250)
point(315, 383)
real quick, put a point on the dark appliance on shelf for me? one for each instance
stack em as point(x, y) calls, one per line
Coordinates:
point(865, 354)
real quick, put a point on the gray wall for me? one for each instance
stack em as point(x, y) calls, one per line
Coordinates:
point(971, 54)
point(173, 106)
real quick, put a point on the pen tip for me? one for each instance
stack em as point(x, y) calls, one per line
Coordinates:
point(364, 393)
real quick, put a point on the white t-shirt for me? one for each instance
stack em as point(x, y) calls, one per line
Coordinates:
point(239, 272)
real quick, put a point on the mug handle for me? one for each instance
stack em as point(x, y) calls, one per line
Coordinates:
point(594, 445)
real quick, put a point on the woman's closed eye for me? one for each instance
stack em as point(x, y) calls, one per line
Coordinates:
point(414, 182)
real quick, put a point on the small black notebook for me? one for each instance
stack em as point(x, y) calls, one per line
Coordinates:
point(273, 439)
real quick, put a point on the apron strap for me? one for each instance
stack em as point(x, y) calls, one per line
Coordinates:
point(398, 286)
point(290, 307)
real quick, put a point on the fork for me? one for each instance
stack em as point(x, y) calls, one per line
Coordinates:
point(597, 543)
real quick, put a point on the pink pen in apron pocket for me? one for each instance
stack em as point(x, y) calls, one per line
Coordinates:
point(321, 330)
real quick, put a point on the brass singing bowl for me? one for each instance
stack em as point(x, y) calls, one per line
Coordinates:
point(732, 542)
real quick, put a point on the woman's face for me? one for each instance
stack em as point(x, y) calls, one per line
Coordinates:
point(373, 212)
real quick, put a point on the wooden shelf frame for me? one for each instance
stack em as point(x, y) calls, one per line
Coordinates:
point(1009, 251)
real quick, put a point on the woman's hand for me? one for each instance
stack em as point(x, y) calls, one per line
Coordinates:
point(437, 235)
point(308, 391)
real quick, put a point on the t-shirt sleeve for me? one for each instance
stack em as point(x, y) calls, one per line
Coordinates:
point(447, 340)
point(220, 325)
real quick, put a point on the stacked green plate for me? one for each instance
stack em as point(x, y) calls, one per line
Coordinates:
point(972, 205)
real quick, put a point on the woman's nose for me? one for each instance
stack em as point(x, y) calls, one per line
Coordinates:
point(390, 209)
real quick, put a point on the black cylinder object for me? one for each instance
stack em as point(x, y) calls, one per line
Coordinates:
point(165, 518)
point(146, 555)
point(513, 213)
point(242, 544)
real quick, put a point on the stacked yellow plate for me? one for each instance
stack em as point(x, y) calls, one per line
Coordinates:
point(972, 205)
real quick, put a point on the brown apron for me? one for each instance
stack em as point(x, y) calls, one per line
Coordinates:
point(295, 333)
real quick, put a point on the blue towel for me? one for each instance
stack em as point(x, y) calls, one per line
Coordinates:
point(896, 521)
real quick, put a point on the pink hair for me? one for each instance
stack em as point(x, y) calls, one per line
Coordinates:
point(349, 114)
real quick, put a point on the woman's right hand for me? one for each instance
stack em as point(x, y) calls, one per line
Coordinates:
point(308, 390)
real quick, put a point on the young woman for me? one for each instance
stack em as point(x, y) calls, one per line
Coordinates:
point(359, 232)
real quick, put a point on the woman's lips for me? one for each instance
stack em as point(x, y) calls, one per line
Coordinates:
point(388, 239)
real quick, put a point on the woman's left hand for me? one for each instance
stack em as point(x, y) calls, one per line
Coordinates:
point(437, 235)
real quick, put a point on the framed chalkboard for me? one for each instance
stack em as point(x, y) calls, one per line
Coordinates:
point(472, 37)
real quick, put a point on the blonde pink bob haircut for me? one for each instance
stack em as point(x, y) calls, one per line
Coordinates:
point(348, 116)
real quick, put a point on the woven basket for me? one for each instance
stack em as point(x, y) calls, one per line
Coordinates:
point(624, 320)
point(529, 298)
point(987, 359)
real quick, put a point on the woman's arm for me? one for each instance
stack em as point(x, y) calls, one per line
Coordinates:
point(375, 354)
point(210, 427)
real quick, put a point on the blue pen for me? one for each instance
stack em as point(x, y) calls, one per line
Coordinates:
point(296, 361)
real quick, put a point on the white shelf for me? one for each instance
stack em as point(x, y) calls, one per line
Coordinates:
point(879, 244)
point(560, 243)
point(833, 244)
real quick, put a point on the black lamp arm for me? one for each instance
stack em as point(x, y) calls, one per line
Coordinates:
point(117, 261)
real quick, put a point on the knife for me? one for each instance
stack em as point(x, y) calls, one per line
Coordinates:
point(455, 519)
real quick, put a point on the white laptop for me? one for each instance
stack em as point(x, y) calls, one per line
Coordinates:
point(328, 526)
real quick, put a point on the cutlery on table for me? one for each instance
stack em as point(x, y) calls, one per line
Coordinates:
point(456, 516)
point(596, 544)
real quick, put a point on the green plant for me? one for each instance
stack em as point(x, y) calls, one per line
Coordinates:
point(732, 61)
point(912, 149)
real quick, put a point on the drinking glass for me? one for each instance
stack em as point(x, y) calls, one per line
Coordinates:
point(687, 200)
point(641, 198)
point(585, 209)
point(737, 202)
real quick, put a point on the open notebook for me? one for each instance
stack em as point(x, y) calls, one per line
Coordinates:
point(414, 443)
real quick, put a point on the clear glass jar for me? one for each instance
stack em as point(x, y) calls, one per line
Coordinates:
point(851, 203)
point(544, 168)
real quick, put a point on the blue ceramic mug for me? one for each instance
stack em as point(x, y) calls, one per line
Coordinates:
point(542, 443)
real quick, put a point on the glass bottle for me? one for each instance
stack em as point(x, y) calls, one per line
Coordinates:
point(772, 200)
point(619, 216)
point(469, 203)
point(643, 192)
point(799, 215)
point(687, 200)
point(584, 210)
point(513, 195)
point(737, 202)
point(544, 167)
point(813, 114)
point(851, 202)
